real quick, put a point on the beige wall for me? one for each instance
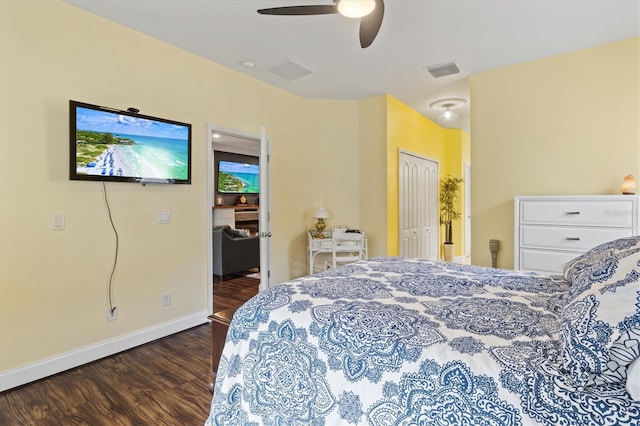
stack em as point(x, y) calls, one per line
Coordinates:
point(568, 124)
point(331, 165)
point(372, 156)
point(534, 125)
point(53, 284)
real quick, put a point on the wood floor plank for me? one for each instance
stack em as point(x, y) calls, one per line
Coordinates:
point(233, 292)
point(165, 382)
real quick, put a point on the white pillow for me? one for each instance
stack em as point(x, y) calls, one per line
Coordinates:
point(633, 379)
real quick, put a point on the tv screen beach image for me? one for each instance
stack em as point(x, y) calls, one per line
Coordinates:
point(112, 144)
point(238, 178)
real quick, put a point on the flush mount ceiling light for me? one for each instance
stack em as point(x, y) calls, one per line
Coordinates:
point(356, 8)
point(448, 104)
point(447, 115)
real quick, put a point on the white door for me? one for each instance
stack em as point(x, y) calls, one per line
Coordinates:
point(265, 215)
point(408, 207)
point(418, 206)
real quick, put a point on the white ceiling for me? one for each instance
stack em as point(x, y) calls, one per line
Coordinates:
point(477, 35)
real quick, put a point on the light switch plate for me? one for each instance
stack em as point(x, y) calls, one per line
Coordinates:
point(58, 222)
point(164, 217)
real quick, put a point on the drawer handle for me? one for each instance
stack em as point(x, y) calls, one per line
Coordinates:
point(572, 213)
point(572, 238)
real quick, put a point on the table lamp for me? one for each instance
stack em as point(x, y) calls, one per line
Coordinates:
point(628, 185)
point(321, 214)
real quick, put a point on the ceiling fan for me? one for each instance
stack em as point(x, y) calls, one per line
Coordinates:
point(370, 13)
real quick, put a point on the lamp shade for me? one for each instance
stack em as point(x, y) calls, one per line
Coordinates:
point(356, 8)
point(321, 213)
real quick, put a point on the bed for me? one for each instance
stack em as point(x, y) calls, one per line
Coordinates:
point(394, 341)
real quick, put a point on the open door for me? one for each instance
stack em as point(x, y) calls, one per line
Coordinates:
point(241, 144)
point(265, 216)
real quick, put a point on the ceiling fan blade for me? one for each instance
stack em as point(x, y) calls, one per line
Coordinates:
point(370, 24)
point(300, 10)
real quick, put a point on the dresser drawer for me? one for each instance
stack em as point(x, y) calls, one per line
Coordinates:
point(568, 237)
point(545, 261)
point(575, 212)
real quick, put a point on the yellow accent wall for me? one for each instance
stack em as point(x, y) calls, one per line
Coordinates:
point(409, 130)
point(568, 124)
point(413, 132)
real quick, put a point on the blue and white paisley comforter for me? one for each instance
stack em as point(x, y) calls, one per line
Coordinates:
point(393, 341)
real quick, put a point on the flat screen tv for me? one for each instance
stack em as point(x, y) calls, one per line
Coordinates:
point(237, 177)
point(107, 144)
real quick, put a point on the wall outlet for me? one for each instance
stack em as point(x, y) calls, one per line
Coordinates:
point(112, 314)
point(166, 299)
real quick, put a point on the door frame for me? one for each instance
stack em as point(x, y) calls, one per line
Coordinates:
point(467, 211)
point(265, 201)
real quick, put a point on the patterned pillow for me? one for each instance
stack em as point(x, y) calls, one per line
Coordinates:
point(601, 318)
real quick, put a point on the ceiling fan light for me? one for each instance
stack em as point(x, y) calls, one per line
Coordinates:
point(356, 8)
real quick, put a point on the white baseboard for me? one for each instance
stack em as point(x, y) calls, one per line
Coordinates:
point(41, 369)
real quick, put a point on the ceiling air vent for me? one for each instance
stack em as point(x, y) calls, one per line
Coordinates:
point(443, 70)
point(290, 70)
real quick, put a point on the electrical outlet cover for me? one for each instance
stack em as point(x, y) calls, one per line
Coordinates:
point(166, 299)
point(112, 314)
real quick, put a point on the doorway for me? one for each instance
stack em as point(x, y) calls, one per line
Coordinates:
point(247, 213)
point(418, 207)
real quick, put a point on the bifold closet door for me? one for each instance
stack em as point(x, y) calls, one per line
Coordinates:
point(418, 207)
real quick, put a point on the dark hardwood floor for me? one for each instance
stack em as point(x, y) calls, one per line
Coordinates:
point(165, 382)
point(233, 292)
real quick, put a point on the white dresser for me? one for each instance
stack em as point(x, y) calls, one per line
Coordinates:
point(552, 230)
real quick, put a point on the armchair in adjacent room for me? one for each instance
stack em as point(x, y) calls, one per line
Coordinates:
point(232, 252)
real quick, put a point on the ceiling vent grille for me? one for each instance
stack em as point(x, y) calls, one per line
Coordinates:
point(443, 70)
point(290, 70)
